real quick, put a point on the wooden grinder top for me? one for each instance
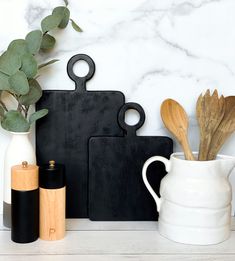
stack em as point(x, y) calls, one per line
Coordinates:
point(24, 177)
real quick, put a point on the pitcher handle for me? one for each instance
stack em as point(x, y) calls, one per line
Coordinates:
point(166, 162)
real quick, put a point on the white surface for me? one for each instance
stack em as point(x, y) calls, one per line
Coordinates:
point(195, 203)
point(87, 240)
point(148, 49)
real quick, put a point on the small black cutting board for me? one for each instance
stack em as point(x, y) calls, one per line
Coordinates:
point(75, 116)
point(116, 189)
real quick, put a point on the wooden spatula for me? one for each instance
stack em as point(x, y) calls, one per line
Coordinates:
point(225, 129)
point(176, 121)
point(210, 112)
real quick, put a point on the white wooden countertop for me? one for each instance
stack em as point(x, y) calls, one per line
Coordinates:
point(111, 241)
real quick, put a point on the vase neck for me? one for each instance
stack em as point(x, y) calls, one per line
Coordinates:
point(20, 135)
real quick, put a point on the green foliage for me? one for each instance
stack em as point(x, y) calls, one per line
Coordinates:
point(1, 112)
point(37, 115)
point(34, 94)
point(14, 121)
point(19, 83)
point(9, 63)
point(33, 40)
point(64, 14)
point(50, 22)
point(48, 42)
point(19, 68)
point(29, 65)
point(66, 2)
point(75, 26)
point(47, 63)
point(18, 47)
point(5, 86)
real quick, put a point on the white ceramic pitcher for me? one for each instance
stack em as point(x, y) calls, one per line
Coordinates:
point(195, 203)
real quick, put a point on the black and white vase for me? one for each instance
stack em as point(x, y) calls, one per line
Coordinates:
point(19, 149)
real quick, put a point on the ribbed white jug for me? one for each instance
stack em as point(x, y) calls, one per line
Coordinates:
point(195, 203)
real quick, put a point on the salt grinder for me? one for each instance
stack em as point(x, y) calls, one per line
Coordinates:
point(25, 203)
point(52, 201)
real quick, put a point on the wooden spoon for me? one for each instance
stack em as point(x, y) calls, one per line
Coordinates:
point(210, 111)
point(176, 121)
point(225, 129)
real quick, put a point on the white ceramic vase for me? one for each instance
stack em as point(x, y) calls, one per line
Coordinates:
point(195, 203)
point(19, 149)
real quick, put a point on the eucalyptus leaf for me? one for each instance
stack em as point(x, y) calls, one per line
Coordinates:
point(4, 84)
point(14, 121)
point(34, 94)
point(19, 83)
point(1, 112)
point(18, 47)
point(37, 115)
point(18, 70)
point(9, 63)
point(29, 65)
point(50, 22)
point(75, 26)
point(47, 63)
point(48, 42)
point(33, 40)
point(64, 13)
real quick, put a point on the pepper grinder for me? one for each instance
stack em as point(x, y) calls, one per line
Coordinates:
point(25, 203)
point(52, 201)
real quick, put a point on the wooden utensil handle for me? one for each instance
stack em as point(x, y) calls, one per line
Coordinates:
point(204, 148)
point(217, 142)
point(187, 150)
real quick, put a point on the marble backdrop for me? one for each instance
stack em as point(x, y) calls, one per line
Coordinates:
point(148, 49)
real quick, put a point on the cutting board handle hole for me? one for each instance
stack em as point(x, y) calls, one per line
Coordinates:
point(131, 111)
point(81, 68)
point(132, 117)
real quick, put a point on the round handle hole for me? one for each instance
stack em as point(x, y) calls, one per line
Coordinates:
point(81, 68)
point(132, 117)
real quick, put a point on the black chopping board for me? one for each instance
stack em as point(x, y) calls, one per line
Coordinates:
point(75, 116)
point(116, 189)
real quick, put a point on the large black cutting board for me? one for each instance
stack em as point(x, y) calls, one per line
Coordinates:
point(75, 116)
point(116, 189)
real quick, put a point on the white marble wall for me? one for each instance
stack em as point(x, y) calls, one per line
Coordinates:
point(148, 49)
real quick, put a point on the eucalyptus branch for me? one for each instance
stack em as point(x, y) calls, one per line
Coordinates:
point(21, 108)
point(19, 70)
point(4, 106)
point(4, 73)
point(12, 94)
point(26, 111)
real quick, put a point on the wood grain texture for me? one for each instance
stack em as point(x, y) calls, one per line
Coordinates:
point(94, 244)
point(116, 188)
point(101, 257)
point(52, 214)
point(112, 243)
point(210, 111)
point(63, 135)
point(83, 224)
point(176, 121)
point(225, 128)
point(24, 178)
